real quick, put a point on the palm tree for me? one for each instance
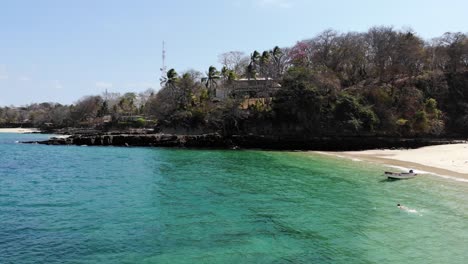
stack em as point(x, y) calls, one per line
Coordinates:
point(251, 70)
point(225, 72)
point(255, 57)
point(170, 81)
point(228, 75)
point(277, 54)
point(172, 77)
point(213, 75)
point(264, 62)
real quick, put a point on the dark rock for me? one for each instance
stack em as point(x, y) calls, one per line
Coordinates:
point(215, 140)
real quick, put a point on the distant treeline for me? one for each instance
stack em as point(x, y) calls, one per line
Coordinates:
point(380, 82)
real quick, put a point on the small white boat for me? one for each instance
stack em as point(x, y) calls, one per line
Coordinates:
point(400, 175)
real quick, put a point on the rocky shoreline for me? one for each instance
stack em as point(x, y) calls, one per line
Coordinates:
point(217, 141)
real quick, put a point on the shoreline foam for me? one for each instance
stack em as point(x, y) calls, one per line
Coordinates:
point(19, 130)
point(447, 161)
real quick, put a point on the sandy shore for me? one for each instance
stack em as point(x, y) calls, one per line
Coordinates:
point(446, 160)
point(18, 130)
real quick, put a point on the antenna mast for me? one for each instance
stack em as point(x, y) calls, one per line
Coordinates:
point(163, 68)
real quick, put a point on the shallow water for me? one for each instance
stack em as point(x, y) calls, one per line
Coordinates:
point(67, 204)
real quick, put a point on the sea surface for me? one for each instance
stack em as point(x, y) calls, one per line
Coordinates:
point(72, 204)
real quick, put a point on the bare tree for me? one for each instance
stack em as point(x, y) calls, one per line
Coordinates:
point(324, 47)
point(235, 61)
point(381, 45)
point(87, 107)
point(280, 61)
point(456, 50)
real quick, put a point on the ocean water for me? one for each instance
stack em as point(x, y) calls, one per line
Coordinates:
point(70, 204)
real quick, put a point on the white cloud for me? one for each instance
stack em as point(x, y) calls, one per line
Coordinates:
point(103, 85)
point(57, 84)
point(24, 78)
point(275, 3)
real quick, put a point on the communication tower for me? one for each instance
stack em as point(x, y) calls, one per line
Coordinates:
point(163, 69)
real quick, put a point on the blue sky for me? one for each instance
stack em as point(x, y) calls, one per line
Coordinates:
point(58, 51)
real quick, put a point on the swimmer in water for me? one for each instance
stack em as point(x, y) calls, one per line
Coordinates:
point(402, 207)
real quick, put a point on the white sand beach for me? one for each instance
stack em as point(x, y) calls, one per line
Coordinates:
point(19, 130)
point(449, 160)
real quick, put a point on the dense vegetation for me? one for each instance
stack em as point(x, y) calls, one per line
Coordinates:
point(380, 82)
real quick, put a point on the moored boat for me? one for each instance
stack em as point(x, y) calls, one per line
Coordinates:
point(400, 175)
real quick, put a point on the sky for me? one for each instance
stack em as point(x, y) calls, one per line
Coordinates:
point(59, 51)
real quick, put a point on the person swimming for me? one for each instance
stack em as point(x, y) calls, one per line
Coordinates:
point(407, 209)
point(402, 207)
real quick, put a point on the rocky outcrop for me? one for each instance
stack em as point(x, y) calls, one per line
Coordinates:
point(245, 141)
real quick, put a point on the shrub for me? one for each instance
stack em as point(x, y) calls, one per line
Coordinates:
point(421, 122)
point(402, 122)
point(140, 122)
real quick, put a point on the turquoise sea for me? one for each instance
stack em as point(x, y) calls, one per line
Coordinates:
point(67, 204)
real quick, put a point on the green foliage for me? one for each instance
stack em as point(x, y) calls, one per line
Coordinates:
point(104, 110)
point(255, 56)
point(403, 127)
point(379, 96)
point(171, 75)
point(353, 124)
point(353, 114)
point(347, 107)
point(431, 106)
point(299, 102)
point(204, 95)
point(211, 84)
point(402, 122)
point(140, 122)
point(421, 122)
point(251, 72)
point(231, 76)
point(259, 107)
point(332, 83)
point(369, 118)
point(127, 103)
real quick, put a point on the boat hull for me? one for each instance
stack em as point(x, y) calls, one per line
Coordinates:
point(399, 176)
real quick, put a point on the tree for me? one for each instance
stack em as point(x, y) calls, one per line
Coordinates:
point(301, 54)
point(143, 98)
point(225, 73)
point(349, 58)
point(235, 61)
point(353, 115)
point(171, 79)
point(421, 122)
point(211, 84)
point(454, 46)
point(252, 68)
point(127, 103)
point(86, 109)
point(299, 102)
point(250, 72)
point(264, 64)
point(381, 42)
point(324, 46)
point(409, 55)
point(279, 61)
